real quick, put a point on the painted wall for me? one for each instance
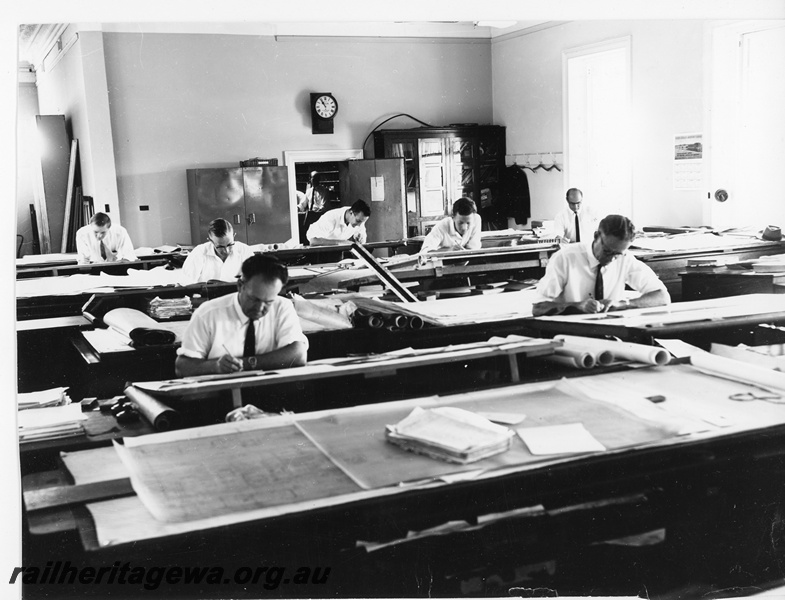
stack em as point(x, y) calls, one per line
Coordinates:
point(26, 162)
point(76, 87)
point(667, 98)
point(182, 101)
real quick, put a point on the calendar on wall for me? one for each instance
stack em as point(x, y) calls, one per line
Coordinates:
point(688, 161)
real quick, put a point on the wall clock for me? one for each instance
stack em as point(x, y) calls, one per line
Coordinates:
point(324, 106)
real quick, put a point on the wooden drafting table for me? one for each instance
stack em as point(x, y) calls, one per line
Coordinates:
point(67, 265)
point(668, 257)
point(390, 364)
point(698, 322)
point(492, 264)
point(697, 285)
point(327, 254)
point(525, 509)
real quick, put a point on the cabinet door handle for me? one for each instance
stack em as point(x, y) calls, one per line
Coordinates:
point(236, 219)
point(251, 219)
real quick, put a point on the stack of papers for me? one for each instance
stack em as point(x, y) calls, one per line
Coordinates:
point(50, 423)
point(168, 308)
point(54, 397)
point(450, 434)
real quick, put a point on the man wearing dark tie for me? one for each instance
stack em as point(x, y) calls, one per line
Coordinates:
point(575, 222)
point(252, 329)
point(99, 241)
point(590, 276)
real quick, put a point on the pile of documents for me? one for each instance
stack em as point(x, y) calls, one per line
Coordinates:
point(50, 423)
point(53, 397)
point(450, 434)
point(169, 308)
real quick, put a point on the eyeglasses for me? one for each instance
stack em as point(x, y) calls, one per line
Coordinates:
point(607, 251)
point(217, 247)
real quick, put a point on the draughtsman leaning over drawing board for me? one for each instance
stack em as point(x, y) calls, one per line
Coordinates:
point(252, 329)
point(590, 277)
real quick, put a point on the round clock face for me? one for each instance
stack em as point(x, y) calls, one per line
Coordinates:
point(326, 107)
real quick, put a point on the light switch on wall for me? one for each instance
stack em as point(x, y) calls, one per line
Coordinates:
point(377, 189)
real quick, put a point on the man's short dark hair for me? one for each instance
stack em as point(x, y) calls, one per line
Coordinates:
point(220, 228)
point(266, 265)
point(361, 206)
point(567, 195)
point(618, 226)
point(101, 219)
point(464, 207)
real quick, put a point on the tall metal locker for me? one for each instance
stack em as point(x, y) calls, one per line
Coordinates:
point(255, 200)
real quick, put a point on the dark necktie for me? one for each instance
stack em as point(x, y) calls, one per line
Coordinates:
point(599, 290)
point(103, 250)
point(577, 229)
point(249, 348)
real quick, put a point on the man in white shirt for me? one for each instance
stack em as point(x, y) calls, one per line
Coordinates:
point(340, 225)
point(591, 276)
point(100, 242)
point(220, 258)
point(461, 231)
point(575, 222)
point(252, 329)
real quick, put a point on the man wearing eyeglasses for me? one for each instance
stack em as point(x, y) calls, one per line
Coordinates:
point(253, 329)
point(576, 222)
point(219, 258)
point(590, 277)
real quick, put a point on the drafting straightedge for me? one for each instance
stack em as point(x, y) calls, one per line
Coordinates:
point(715, 309)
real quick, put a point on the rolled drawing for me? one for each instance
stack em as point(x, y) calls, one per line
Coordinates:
point(622, 350)
point(601, 356)
point(312, 312)
point(739, 371)
point(575, 361)
point(160, 416)
point(583, 359)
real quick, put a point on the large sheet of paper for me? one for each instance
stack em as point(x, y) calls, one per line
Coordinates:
point(468, 309)
point(198, 477)
point(356, 440)
point(695, 311)
point(79, 283)
point(692, 241)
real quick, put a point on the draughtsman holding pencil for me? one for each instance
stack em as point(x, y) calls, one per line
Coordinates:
point(590, 276)
point(252, 329)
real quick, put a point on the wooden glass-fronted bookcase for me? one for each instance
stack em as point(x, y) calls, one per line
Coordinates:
point(444, 163)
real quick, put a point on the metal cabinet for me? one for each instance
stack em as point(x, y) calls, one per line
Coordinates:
point(443, 164)
point(255, 200)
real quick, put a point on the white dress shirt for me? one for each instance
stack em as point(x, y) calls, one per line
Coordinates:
point(332, 226)
point(116, 241)
point(564, 223)
point(571, 273)
point(203, 264)
point(219, 325)
point(444, 236)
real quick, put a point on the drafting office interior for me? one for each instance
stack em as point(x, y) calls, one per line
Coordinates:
point(146, 102)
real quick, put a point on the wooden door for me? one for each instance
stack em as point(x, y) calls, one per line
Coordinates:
point(380, 182)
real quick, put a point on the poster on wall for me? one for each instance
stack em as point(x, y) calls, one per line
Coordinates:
point(688, 161)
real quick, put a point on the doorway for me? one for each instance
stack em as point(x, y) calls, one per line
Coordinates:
point(329, 165)
point(747, 125)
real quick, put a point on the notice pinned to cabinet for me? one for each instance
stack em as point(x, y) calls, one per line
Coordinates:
point(688, 161)
point(377, 189)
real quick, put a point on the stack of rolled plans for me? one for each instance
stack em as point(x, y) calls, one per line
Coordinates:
point(585, 353)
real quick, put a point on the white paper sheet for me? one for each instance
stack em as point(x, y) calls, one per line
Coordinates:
point(559, 439)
